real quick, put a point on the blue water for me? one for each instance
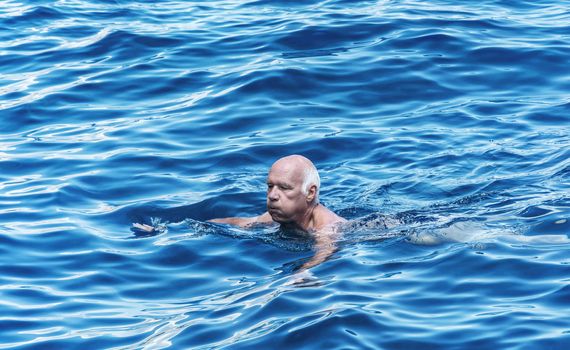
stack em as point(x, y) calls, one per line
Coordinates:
point(440, 129)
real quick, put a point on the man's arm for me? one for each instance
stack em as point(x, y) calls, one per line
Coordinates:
point(325, 246)
point(264, 218)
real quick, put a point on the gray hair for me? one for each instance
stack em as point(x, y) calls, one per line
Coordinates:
point(311, 177)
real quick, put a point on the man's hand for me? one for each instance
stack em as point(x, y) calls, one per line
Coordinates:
point(143, 227)
point(303, 278)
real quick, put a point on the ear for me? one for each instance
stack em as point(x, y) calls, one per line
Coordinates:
point(311, 193)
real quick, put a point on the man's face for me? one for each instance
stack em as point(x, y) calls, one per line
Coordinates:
point(286, 201)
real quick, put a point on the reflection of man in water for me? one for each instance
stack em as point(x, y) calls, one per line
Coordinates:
point(293, 201)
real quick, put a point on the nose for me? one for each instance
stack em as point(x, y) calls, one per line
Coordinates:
point(272, 194)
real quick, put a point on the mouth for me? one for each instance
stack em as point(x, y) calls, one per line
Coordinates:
point(273, 210)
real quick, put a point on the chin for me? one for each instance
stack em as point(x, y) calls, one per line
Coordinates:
point(279, 219)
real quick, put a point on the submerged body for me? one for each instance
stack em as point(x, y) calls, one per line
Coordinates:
point(293, 185)
point(293, 202)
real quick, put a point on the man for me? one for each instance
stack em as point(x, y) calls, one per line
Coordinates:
point(293, 187)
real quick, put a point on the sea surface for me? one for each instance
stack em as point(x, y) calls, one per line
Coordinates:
point(441, 130)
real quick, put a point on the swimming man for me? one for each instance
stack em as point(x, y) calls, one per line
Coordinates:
point(293, 187)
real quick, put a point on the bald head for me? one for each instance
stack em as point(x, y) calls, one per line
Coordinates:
point(302, 169)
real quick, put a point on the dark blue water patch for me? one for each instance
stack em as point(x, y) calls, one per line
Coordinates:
point(555, 115)
point(534, 211)
point(77, 342)
point(496, 107)
point(498, 56)
point(118, 46)
point(552, 224)
point(563, 173)
point(24, 270)
point(74, 31)
point(282, 85)
point(561, 296)
point(355, 321)
point(280, 4)
point(313, 37)
point(422, 88)
point(431, 42)
point(30, 47)
point(98, 12)
point(17, 64)
point(314, 53)
point(35, 16)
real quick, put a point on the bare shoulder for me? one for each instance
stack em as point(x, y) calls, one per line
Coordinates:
point(326, 218)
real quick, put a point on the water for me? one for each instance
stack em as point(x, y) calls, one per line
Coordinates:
point(447, 121)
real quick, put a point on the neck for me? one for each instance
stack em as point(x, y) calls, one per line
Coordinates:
point(306, 220)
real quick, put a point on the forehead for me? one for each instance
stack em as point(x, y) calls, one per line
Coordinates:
point(285, 172)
